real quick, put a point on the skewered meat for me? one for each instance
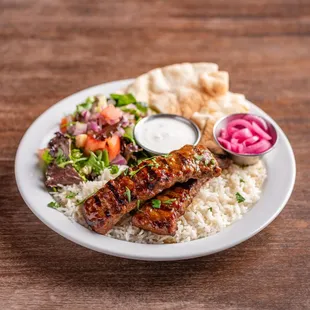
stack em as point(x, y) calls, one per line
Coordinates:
point(121, 195)
point(160, 215)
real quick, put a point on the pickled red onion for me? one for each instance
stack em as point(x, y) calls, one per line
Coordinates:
point(242, 134)
point(259, 147)
point(256, 119)
point(239, 122)
point(260, 132)
point(246, 135)
point(225, 143)
point(251, 140)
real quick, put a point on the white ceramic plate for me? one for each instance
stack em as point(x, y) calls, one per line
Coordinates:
point(277, 189)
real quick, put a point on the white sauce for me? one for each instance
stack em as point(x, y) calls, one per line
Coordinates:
point(164, 134)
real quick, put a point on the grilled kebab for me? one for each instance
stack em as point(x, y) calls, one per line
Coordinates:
point(160, 215)
point(143, 182)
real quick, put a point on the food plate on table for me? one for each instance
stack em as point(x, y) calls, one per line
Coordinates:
point(108, 169)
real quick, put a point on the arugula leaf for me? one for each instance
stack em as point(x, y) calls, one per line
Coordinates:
point(142, 107)
point(134, 112)
point(61, 159)
point(53, 204)
point(76, 154)
point(156, 203)
point(129, 134)
point(169, 201)
point(47, 157)
point(71, 195)
point(86, 105)
point(78, 159)
point(122, 100)
point(239, 198)
point(128, 193)
point(94, 163)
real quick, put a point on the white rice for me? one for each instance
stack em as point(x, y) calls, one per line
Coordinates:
point(214, 208)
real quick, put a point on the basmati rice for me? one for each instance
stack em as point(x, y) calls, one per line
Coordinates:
point(214, 208)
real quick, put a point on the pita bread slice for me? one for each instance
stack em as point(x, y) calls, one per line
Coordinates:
point(194, 90)
point(216, 109)
point(166, 89)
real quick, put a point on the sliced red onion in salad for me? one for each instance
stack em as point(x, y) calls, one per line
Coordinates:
point(99, 134)
point(92, 125)
point(85, 115)
point(119, 160)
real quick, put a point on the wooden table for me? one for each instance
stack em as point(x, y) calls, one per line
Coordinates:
point(51, 49)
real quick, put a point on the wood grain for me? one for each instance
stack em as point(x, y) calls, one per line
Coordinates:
point(51, 49)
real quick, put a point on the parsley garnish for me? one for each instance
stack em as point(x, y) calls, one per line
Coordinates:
point(169, 201)
point(53, 204)
point(239, 198)
point(71, 195)
point(134, 172)
point(210, 209)
point(242, 181)
point(128, 193)
point(156, 164)
point(156, 203)
point(82, 201)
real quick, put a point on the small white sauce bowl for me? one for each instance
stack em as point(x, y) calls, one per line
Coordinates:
point(139, 129)
point(244, 159)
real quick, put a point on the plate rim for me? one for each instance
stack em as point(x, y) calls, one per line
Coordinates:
point(134, 254)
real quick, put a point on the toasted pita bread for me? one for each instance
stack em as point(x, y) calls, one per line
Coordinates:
point(194, 90)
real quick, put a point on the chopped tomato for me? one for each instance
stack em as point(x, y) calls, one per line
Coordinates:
point(63, 125)
point(93, 145)
point(111, 114)
point(113, 146)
